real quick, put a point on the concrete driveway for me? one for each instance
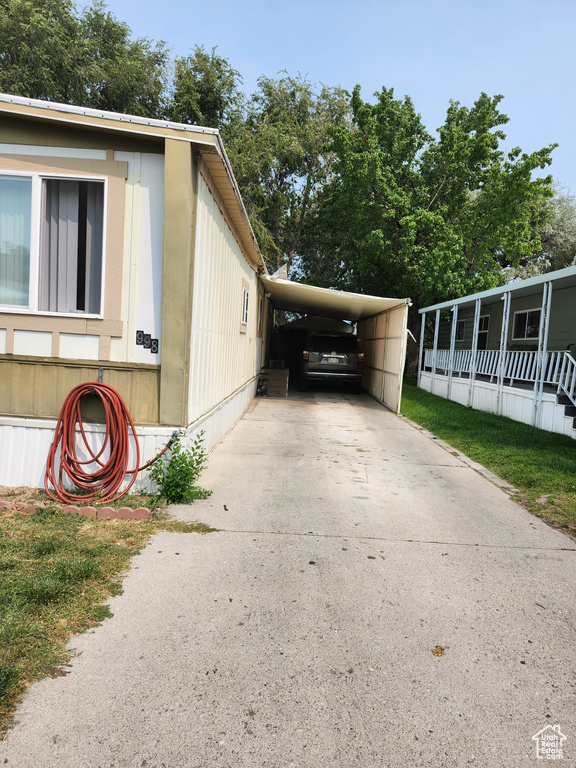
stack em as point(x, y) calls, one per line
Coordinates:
point(351, 546)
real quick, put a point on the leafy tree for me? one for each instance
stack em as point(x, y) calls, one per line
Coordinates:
point(557, 231)
point(278, 152)
point(206, 90)
point(430, 218)
point(49, 52)
point(39, 49)
point(121, 74)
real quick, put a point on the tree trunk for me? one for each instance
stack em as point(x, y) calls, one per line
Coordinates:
point(412, 347)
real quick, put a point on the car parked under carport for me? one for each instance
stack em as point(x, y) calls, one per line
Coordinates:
point(381, 329)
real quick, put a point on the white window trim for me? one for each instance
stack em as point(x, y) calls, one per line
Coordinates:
point(36, 213)
point(260, 312)
point(525, 312)
point(483, 330)
point(245, 305)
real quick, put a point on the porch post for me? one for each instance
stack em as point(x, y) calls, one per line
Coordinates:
point(420, 356)
point(435, 350)
point(473, 362)
point(502, 352)
point(454, 311)
point(542, 352)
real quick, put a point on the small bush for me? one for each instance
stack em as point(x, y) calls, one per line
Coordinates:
point(177, 472)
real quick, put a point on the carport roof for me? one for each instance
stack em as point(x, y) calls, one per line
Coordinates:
point(296, 297)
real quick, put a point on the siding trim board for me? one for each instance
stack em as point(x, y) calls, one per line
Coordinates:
point(180, 208)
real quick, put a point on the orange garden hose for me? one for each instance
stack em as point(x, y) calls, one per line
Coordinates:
point(106, 480)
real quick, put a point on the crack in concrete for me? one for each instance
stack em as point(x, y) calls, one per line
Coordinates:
point(398, 541)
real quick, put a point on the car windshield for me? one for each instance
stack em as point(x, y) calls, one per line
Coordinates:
point(333, 343)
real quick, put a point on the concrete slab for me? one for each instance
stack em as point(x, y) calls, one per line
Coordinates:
point(302, 633)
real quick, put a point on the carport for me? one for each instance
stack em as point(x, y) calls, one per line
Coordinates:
point(381, 329)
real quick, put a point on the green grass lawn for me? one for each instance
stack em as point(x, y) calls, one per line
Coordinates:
point(538, 463)
point(56, 571)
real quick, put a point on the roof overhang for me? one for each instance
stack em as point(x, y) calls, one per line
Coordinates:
point(561, 278)
point(309, 299)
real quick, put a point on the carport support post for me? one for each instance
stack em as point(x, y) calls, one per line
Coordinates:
point(452, 345)
point(420, 355)
point(474, 353)
point(435, 349)
point(542, 353)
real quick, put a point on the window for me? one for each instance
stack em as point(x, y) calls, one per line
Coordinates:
point(15, 229)
point(260, 314)
point(245, 298)
point(483, 331)
point(460, 326)
point(51, 244)
point(526, 324)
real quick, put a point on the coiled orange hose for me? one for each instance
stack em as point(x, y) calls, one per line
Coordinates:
point(105, 481)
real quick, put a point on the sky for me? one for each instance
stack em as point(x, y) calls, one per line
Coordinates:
point(431, 50)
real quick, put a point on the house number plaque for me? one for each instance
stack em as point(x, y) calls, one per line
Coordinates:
point(145, 340)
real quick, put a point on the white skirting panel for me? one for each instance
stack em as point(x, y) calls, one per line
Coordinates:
point(517, 404)
point(25, 443)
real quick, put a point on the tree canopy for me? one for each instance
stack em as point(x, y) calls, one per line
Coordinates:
point(429, 218)
point(48, 51)
point(280, 157)
point(206, 90)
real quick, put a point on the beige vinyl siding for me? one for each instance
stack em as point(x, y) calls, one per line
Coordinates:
point(222, 358)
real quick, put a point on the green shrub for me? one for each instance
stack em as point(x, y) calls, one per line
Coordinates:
point(177, 471)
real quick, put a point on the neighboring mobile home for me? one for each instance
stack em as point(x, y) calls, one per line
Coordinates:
point(511, 351)
point(126, 251)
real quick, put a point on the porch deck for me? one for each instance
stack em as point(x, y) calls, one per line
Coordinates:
point(487, 379)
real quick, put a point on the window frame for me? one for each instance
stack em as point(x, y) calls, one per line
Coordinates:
point(484, 330)
point(260, 323)
point(460, 330)
point(526, 312)
point(37, 178)
point(244, 314)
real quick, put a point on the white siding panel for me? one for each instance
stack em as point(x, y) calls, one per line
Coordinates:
point(151, 243)
point(142, 261)
point(440, 386)
point(222, 359)
point(24, 443)
point(517, 404)
point(33, 343)
point(23, 454)
point(77, 347)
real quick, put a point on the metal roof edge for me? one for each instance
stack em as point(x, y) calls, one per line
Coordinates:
point(336, 292)
point(119, 117)
point(502, 289)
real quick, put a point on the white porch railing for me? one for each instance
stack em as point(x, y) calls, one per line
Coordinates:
point(567, 377)
point(558, 368)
